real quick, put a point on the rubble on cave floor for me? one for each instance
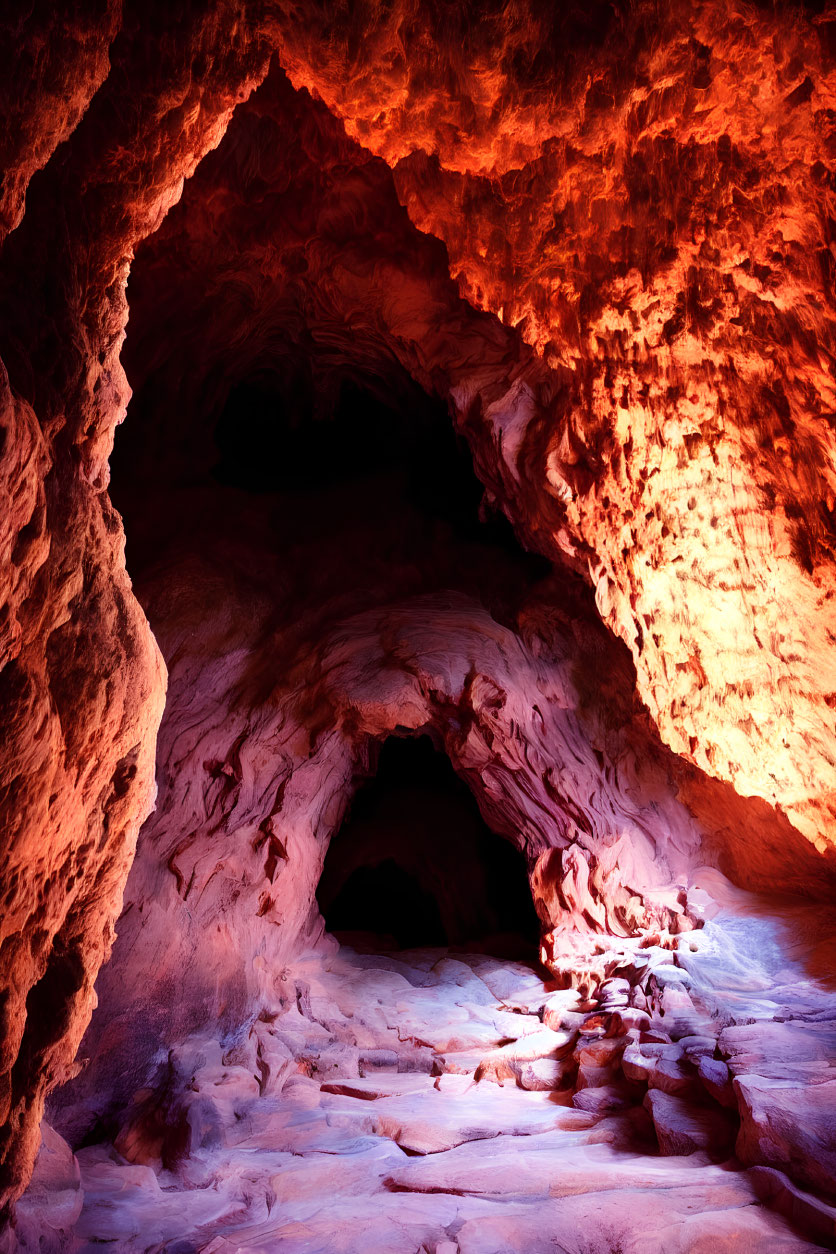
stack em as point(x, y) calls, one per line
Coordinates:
point(440, 1101)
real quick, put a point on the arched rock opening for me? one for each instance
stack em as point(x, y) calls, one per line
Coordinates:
point(430, 275)
point(415, 864)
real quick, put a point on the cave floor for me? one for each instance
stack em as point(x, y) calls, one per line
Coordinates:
point(441, 1102)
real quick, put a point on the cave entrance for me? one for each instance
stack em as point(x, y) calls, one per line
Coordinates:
point(415, 866)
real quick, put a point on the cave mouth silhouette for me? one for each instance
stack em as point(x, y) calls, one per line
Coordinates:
point(414, 865)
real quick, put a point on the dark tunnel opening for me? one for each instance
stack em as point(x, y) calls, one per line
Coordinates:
point(272, 437)
point(371, 453)
point(414, 865)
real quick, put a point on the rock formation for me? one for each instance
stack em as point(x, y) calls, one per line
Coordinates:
point(477, 379)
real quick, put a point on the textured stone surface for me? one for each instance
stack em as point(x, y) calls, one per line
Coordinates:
point(790, 1127)
point(601, 239)
point(206, 894)
point(682, 1128)
point(52, 64)
point(650, 213)
point(326, 1159)
point(82, 680)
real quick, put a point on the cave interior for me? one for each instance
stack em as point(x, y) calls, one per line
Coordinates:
point(418, 628)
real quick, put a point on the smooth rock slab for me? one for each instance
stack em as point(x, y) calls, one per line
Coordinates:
point(682, 1128)
point(677, 1222)
point(123, 1201)
point(789, 1127)
point(559, 1164)
point(430, 1122)
point(370, 1088)
point(386, 1224)
point(55, 1194)
point(777, 1049)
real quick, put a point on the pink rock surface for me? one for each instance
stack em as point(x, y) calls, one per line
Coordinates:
point(790, 1127)
point(684, 1128)
point(410, 1161)
point(597, 239)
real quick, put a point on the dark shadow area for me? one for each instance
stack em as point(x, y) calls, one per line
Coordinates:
point(414, 864)
point(271, 438)
point(352, 486)
point(308, 460)
point(389, 901)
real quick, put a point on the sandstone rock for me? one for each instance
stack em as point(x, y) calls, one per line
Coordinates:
point(807, 1212)
point(612, 274)
point(52, 1205)
point(681, 515)
point(374, 1060)
point(317, 1160)
point(660, 1066)
point(604, 1098)
point(789, 1127)
point(716, 1078)
point(431, 1122)
point(683, 1128)
point(543, 1074)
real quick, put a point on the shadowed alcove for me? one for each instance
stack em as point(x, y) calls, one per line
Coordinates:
point(415, 864)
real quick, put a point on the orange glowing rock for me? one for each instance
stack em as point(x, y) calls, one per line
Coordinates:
point(651, 217)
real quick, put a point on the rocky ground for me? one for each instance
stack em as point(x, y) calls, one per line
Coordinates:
point(440, 1102)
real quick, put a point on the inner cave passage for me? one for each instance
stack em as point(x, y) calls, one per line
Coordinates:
point(380, 456)
point(414, 864)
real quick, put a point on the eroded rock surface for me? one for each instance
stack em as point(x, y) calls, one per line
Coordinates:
point(651, 213)
point(370, 1111)
point(596, 244)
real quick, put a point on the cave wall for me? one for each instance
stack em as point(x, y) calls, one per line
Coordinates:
point(221, 896)
point(643, 240)
point(83, 682)
point(654, 213)
point(290, 244)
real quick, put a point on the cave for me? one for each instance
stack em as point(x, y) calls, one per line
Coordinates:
point(417, 663)
point(414, 865)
